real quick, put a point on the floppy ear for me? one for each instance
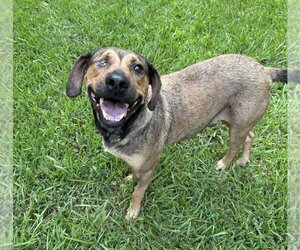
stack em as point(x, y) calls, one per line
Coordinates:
point(77, 75)
point(155, 83)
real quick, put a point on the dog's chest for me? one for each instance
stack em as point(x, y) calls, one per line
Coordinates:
point(136, 161)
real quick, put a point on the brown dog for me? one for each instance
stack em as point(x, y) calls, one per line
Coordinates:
point(138, 122)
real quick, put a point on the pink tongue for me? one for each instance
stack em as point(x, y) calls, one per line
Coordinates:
point(113, 111)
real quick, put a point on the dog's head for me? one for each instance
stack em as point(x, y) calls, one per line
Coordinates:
point(117, 83)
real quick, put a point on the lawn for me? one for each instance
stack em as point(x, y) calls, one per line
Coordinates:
point(69, 194)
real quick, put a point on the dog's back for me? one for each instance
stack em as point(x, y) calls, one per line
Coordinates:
point(205, 92)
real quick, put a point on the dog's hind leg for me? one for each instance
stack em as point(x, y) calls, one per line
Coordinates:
point(244, 159)
point(237, 137)
point(240, 125)
point(241, 115)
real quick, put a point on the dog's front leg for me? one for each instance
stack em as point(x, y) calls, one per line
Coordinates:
point(144, 176)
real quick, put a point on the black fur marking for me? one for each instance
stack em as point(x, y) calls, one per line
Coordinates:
point(155, 84)
point(285, 76)
point(281, 76)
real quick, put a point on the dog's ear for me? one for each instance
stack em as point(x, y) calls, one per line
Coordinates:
point(155, 82)
point(77, 75)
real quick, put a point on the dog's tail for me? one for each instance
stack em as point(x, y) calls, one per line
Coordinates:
point(284, 76)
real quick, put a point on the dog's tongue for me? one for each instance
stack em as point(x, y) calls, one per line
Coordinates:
point(113, 111)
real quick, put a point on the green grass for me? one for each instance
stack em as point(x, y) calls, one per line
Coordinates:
point(69, 194)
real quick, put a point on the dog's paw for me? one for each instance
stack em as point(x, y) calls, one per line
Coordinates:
point(243, 162)
point(129, 177)
point(220, 166)
point(132, 213)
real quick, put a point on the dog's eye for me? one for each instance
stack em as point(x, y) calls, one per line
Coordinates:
point(102, 63)
point(138, 68)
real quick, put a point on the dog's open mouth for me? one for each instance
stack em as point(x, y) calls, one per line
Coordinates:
point(113, 111)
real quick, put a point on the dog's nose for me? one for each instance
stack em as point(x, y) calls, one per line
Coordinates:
point(117, 83)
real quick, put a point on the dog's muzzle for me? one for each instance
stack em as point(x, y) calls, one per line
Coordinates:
point(115, 101)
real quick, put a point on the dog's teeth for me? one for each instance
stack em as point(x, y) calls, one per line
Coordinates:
point(93, 96)
point(101, 100)
point(127, 105)
point(112, 119)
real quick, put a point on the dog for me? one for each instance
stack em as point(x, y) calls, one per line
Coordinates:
point(139, 112)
